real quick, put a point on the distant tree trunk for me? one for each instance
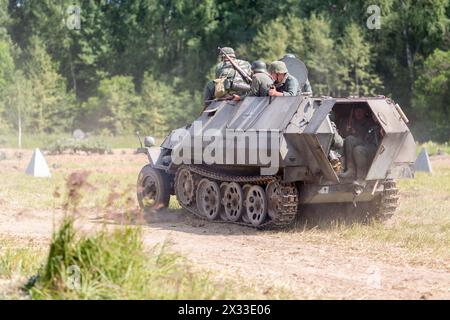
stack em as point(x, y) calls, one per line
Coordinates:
point(19, 115)
point(19, 125)
point(410, 65)
point(72, 73)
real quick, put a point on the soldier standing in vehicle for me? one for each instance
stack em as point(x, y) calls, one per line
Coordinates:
point(225, 75)
point(360, 147)
point(284, 83)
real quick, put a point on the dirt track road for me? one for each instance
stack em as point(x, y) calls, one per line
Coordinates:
point(268, 261)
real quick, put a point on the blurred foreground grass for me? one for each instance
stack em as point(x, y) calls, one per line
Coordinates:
point(105, 265)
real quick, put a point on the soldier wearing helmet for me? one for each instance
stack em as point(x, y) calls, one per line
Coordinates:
point(261, 80)
point(284, 83)
point(226, 76)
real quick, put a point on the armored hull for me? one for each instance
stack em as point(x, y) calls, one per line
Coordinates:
point(255, 162)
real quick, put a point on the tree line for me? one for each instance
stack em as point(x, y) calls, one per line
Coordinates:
point(142, 64)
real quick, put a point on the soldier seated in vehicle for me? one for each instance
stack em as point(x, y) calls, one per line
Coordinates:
point(284, 83)
point(226, 76)
point(361, 146)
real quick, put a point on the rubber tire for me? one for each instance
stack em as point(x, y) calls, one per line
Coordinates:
point(162, 197)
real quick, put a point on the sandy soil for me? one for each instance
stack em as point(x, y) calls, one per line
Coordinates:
point(264, 260)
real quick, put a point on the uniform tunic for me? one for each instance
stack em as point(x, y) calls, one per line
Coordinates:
point(289, 86)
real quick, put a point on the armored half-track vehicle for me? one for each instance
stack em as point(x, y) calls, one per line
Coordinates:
point(218, 168)
point(257, 161)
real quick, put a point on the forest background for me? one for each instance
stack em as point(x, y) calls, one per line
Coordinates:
point(112, 67)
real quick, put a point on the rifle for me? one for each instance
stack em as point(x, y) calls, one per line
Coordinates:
point(243, 74)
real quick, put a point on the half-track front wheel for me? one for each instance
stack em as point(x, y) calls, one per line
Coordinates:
point(153, 190)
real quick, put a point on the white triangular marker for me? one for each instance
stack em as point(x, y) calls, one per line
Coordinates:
point(423, 163)
point(38, 166)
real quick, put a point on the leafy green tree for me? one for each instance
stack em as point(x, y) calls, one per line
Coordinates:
point(7, 70)
point(276, 38)
point(7, 66)
point(149, 116)
point(271, 41)
point(410, 31)
point(355, 63)
point(111, 108)
point(432, 95)
point(84, 54)
point(162, 108)
point(181, 51)
point(175, 41)
point(53, 108)
point(321, 57)
point(296, 39)
point(6, 63)
point(19, 100)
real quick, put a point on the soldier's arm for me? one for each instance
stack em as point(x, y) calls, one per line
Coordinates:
point(291, 88)
point(254, 87)
point(209, 91)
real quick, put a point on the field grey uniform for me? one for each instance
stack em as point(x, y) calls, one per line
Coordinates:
point(289, 85)
point(261, 80)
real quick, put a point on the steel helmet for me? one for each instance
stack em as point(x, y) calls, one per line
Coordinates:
point(259, 66)
point(278, 67)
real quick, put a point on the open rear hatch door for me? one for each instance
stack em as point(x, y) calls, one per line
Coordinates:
point(310, 136)
point(395, 134)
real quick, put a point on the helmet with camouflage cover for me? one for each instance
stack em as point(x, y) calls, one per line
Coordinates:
point(259, 66)
point(278, 67)
point(229, 51)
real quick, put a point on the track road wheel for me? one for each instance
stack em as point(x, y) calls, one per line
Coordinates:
point(152, 189)
point(208, 199)
point(233, 201)
point(256, 204)
point(185, 186)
